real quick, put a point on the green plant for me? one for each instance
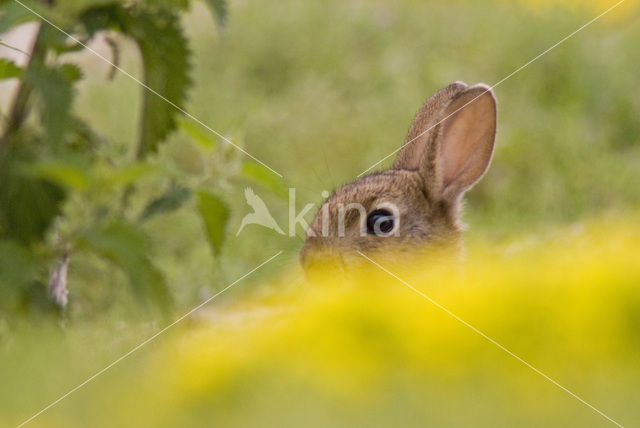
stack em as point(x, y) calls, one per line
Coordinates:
point(61, 190)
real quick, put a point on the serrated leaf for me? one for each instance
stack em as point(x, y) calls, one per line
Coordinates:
point(60, 43)
point(9, 69)
point(71, 72)
point(219, 10)
point(165, 58)
point(126, 246)
point(172, 199)
point(215, 214)
point(261, 175)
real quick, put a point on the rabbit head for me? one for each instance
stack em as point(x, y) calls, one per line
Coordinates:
point(414, 205)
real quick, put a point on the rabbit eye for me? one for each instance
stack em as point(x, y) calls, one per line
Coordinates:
point(380, 222)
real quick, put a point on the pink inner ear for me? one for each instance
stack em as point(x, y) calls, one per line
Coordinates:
point(415, 145)
point(467, 140)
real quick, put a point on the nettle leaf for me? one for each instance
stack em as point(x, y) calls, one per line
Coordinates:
point(64, 174)
point(219, 9)
point(14, 14)
point(261, 175)
point(60, 43)
point(27, 204)
point(128, 174)
point(215, 214)
point(127, 247)
point(18, 269)
point(9, 69)
point(171, 200)
point(82, 136)
point(165, 56)
point(71, 72)
point(56, 94)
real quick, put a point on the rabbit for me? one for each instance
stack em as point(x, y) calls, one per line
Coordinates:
point(415, 205)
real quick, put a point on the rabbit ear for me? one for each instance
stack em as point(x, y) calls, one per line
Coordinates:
point(423, 127)
point(459, 151)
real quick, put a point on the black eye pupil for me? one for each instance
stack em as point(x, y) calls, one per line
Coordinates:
point(380, 222)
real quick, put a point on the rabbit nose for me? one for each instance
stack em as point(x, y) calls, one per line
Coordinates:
point(320, 263)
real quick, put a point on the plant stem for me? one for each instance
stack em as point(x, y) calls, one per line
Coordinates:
point(19, 110)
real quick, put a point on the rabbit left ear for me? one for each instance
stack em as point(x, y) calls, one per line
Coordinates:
point(461, 146)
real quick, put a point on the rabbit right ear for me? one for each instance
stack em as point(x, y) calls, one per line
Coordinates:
point(460, 147)
point(423, 127)
point(451, 139)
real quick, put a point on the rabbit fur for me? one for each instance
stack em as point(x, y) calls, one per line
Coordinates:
point(447, 150)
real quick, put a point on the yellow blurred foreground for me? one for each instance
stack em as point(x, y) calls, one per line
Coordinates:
point(377, 353)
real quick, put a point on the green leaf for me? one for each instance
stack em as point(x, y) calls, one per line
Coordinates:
point(17, 272)
point(71, 72)
point(14, 14)
point(61, 173)
point(219, 9)
point(165, 58)
point(173, 199)
point(59, 42)
point(197, 134)
point(261, 175)
point(27, 205)
point(127, 247)
point(181, 5)
point(128, 174)
point(215, 214)
point(9, 69)
point(83, 139)
point(56, 95)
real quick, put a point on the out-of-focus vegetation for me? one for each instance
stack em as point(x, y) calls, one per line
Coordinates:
point(320, 93)
point(65, 193)
point(375, 353)
point(140, 197)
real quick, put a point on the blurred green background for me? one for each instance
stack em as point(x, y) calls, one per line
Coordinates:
point(320, 92)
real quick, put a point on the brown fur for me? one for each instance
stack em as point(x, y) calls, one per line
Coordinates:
point(447, 150)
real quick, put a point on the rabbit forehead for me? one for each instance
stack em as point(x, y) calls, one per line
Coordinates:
point(399, 187)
